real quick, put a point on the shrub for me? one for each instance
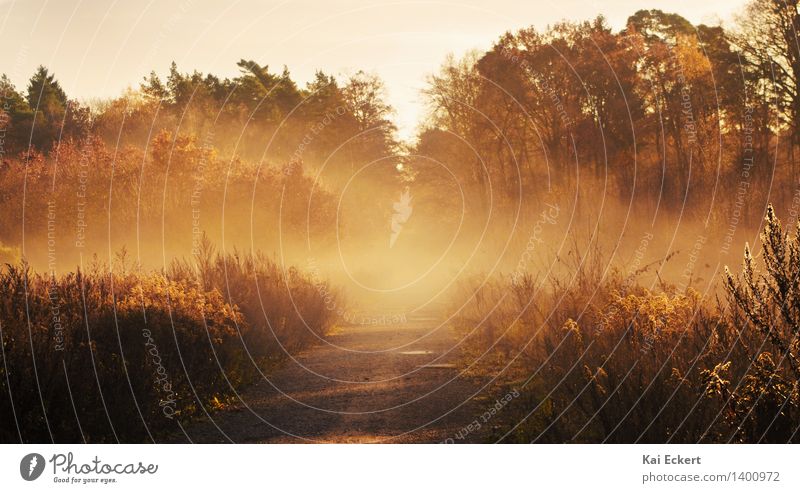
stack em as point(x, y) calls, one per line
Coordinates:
point(765, 404)
point(110, 355)
point(598, 358)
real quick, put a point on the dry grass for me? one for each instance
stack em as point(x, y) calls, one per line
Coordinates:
point(125, 355)
point(601, 359)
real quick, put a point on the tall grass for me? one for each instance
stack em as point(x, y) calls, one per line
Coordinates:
point(112, 354)
point(599, 358)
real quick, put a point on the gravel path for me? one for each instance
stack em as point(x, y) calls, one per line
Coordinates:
point(390, 383)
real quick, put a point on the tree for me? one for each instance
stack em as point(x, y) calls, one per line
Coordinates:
point(278, 93)
point(364, 96)
point(768, 39)
point(453, 97)
point(49, 103)
point(153, 88)
point(677, 79)
point(610, 107)
point(45, 92)
point(16, 118)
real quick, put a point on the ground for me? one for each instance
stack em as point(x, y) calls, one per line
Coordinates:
point(398, 383)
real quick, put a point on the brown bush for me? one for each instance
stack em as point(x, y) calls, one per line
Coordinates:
point(601, 359)
point(114, 355)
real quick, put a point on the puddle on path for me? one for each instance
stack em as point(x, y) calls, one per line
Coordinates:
point(439, 366)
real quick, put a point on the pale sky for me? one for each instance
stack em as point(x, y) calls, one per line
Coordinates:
point(97, 48)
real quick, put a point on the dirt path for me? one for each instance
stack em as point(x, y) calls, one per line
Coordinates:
point(392, 383)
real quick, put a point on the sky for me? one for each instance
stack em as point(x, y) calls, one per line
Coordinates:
point(98, 48)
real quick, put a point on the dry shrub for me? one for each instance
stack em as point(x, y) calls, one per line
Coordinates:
point(154, 198)
point(599, 358)
point(112, 355)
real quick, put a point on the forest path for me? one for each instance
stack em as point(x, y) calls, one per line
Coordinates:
point(396, 382)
